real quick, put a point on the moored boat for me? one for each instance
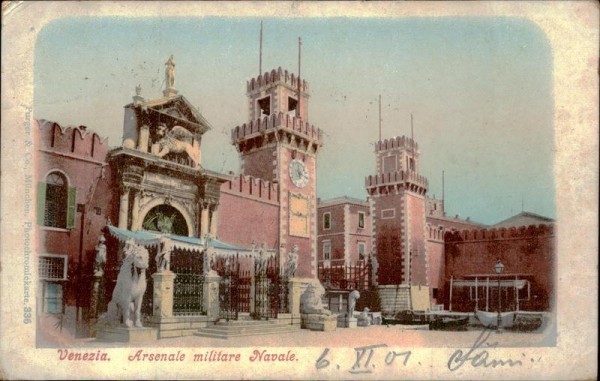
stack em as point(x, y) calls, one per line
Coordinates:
point(490, 319)
point(449, 324)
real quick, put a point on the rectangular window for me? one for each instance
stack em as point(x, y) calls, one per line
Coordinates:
point(53, 267)
point(326, 250)
point(389, 164)
point(361, 220)
point(326, 221)
point(292, 104)
point(264, 105)
point(361, 250)
point(388, 213)
point(435, 293)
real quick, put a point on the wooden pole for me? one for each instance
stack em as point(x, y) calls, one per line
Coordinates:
point(298, 79)
point(476, 295)
point(260, 49)
point(451, 285)
point(487, 294)
point(516, 293)
point(379, 117)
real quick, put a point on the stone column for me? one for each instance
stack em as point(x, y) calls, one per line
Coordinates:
point(143, 138)
point(214, 220)
point(123, 207)
point(163, 294)
point(211, 295)
point(204, 220)
point(135, 212)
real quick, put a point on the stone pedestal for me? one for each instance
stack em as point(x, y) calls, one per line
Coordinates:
point(319, 322)
point(170, 92)
point(296, 287)
point(126, 335)
point(211, 295)
point(343, 321)
point(163, 293)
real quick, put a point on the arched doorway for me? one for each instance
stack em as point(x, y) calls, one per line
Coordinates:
point(165, 219)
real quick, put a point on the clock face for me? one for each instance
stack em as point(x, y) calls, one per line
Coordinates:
point(298, 173)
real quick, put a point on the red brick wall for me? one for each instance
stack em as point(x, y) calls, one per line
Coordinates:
point(243, 220)
point(259, 164)
point(415, 208)
point(389, 240)
point(435, 256)
point(70, 152)
point(523, 250)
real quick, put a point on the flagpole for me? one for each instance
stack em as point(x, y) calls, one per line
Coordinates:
point(260, 49)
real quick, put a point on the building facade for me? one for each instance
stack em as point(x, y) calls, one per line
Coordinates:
point(74, 203)
point(344, 231)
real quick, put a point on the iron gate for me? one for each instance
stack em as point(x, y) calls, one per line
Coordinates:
point(188, 297)
point(234, 288)
point(268, 287)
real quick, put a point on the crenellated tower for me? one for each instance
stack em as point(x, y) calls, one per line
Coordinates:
point(280, 146)
point(398, 199)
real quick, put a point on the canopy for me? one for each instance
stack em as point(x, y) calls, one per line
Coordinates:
point(520, 283)
point(150, 239)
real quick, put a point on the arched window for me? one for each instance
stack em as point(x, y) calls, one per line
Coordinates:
point(56, 202)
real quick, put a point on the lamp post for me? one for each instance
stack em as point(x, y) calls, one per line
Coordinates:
point(499, 268)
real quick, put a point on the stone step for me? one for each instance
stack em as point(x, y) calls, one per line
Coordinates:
point(266, 328)
point(245, 328)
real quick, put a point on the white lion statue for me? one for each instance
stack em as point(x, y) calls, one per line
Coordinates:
point(177, 140)
point(130, 288)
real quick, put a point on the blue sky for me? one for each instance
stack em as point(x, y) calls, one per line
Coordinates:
point(480, 90)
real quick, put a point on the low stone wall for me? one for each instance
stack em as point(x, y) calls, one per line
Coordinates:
point(394, 298)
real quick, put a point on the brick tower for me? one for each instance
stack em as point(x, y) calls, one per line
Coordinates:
point(280, 146)
point(398, 206)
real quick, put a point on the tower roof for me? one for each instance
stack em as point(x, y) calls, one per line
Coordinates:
point(524, 219)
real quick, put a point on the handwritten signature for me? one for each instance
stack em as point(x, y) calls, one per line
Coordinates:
point(481, 358)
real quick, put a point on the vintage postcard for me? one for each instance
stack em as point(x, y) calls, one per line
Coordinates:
point(299, 190)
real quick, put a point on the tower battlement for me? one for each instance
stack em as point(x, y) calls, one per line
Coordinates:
point(396, 142)
point(499, 233)
point(252, 187)
point(271, 123)
point(274, 77)
point(397, 178)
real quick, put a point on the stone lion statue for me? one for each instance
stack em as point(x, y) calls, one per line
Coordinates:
point(311, 303)
point(130, 288)
point(177, 140)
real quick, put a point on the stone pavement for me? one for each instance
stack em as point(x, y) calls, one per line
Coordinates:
point(393, 335)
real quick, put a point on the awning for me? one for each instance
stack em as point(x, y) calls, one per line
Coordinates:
point(153, 239)
point(518, 283)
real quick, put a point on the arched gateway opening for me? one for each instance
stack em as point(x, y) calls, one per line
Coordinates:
point(165, 219)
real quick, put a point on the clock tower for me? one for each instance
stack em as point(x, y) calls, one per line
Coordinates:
point(280, 146)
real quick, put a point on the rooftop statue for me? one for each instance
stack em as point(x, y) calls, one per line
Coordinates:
point(170, 72)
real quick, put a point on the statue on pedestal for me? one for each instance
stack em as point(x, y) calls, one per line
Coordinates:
point(163, 257)
point(354, 295)
point(292, 262)
point(100, 257)
point(130, 288)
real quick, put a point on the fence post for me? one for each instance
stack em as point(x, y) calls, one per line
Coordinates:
point(211, 295)
point(163, 293)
